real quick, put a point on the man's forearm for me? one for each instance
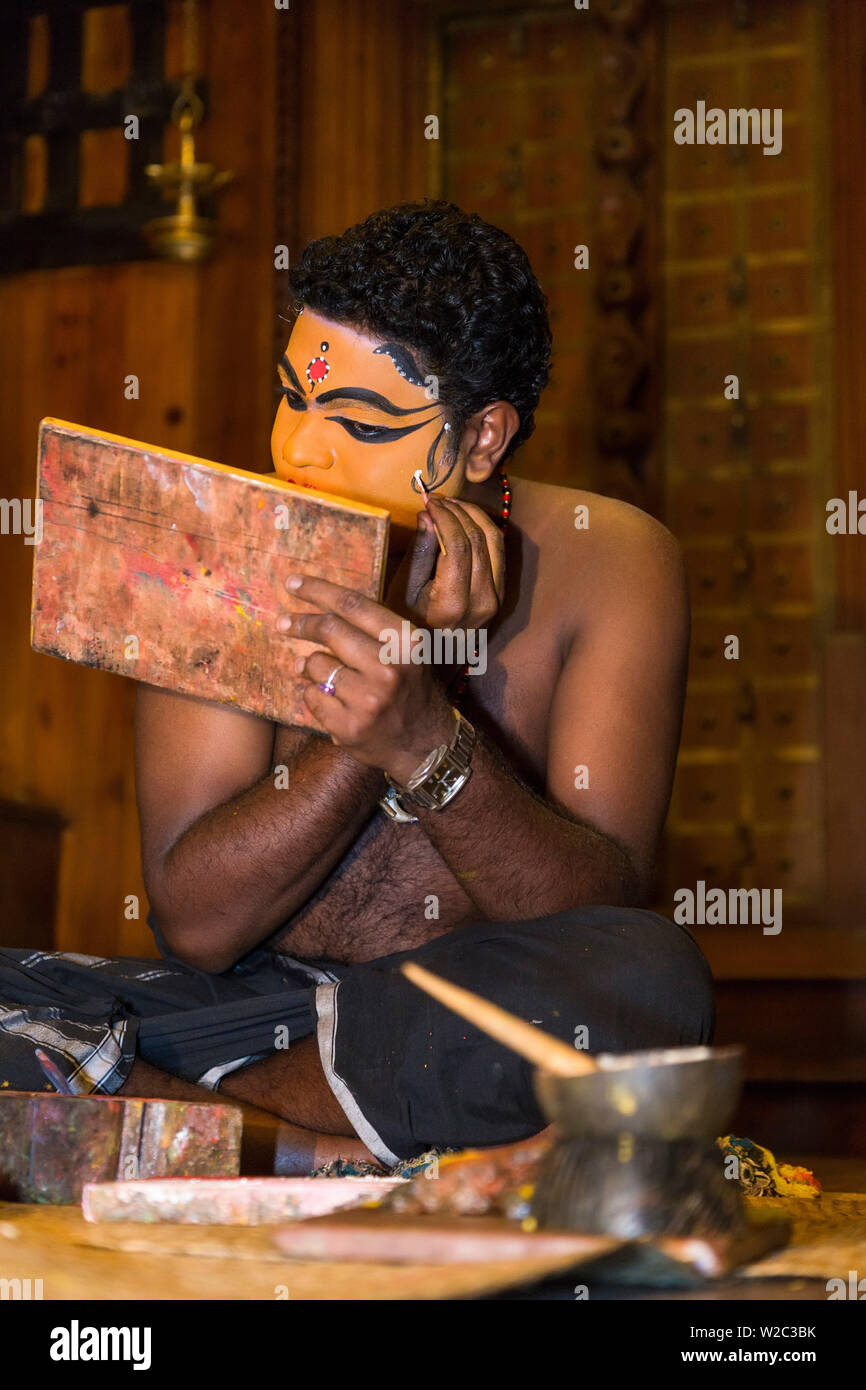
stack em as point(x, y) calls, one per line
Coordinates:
point(243, 868)
point(515, 855)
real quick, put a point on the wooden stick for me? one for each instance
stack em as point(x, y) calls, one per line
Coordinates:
point(417, 474)
point(541, 1048)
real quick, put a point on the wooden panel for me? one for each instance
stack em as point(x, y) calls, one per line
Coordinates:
point(799, 951)
point(172, 570)
point(847, 102)
point(807, 1050)
point(548, 133)
point(793, 1117)
point(84, 1260)
point(846, 775)
point(30, 842)
point(360, 139)
point(746, 276)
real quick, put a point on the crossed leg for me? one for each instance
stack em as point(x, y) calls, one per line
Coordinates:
point(291, 1120)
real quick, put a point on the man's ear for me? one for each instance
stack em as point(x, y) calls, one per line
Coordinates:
point(488, 434)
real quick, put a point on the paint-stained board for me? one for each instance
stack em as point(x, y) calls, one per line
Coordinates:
point(52, 1145)
point(172, 570)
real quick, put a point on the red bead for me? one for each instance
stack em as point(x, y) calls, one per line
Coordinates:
point(506, 499)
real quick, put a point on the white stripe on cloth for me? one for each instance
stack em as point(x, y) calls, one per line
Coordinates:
point(94, 1064)
point(326, 1010)
point(212, 1078)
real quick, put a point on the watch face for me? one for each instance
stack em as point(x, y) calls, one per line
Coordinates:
point(425, 767)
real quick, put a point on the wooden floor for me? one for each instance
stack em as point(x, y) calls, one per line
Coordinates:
point(77, 1259)
point(80, 1260)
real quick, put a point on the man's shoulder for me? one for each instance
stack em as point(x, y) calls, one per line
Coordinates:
point(606, 532)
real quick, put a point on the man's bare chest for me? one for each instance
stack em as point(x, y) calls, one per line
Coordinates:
point(392, 890)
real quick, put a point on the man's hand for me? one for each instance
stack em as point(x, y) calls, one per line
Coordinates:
point(461, 589)
point(385, 715)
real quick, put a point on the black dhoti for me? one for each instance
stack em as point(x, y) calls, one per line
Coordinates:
point(408, 1073)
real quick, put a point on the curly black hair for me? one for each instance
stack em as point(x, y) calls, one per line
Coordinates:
point(444, 283)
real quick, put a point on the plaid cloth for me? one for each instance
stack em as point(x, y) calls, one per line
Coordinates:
point(93, 1015)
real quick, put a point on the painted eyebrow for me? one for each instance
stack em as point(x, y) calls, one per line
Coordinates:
point(403, 361)
point(290, 373)
point(360, 393)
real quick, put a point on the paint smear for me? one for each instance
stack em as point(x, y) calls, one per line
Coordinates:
point(157, 473)
point(198, 487)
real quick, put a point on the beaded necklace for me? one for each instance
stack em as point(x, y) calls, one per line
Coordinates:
point(504, 514)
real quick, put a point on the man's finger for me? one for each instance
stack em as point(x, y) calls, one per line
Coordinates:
point(356, 609)
point(318, 666)
point(451, 586)
point(331, 714)
point(421, 562)
point(487, 546)
point(495, 542)
point(347, 643)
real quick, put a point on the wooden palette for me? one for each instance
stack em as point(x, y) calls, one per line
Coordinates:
point(52, 1145)
point(228, 1201)
point(171, 569)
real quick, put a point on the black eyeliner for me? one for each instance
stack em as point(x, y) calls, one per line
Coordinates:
point(293, 401)
point(386, 434)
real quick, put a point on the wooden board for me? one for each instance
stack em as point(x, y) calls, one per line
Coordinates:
point(828, 1238)
point(383, 1237)
point(77, 1260)
point(172, 570)
point(51, 1145)
point(364, 1235)
point(228, 1201)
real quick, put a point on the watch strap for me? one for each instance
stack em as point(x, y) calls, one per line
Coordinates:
point(441, 776)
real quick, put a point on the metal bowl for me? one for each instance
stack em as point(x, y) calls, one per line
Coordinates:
point(669, 1093)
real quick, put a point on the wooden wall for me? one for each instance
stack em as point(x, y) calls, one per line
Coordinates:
point(199, 340)
point(356, 75)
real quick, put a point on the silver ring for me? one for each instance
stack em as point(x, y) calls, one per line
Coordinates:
point(327, 687)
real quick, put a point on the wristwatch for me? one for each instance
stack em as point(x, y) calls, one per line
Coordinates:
point(443, 773)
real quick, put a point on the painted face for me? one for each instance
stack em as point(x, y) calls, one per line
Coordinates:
point(355, 419)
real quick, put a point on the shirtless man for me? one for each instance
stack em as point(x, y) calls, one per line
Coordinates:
point(421, 342)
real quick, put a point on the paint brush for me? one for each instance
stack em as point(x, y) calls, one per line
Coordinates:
point(53, 1073)
point(417, 474)
point(541, 1048)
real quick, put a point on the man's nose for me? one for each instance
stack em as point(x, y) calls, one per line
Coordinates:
point(303, 447)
